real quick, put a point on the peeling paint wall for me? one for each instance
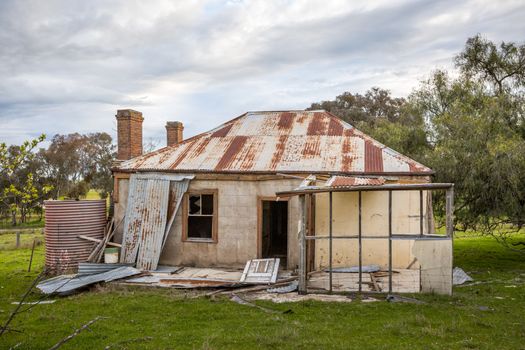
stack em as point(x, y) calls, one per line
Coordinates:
point(237, 225)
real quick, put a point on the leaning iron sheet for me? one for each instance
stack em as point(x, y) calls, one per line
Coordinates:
point(67, 283)
point(147, 221)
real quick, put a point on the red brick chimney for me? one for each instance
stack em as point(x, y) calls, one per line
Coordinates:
point(174, 133)
point(129, 133)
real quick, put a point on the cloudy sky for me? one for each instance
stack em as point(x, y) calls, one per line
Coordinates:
point(67, 66)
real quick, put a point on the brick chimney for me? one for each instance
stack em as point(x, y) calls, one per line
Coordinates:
point(129, 134)
point(174, 133)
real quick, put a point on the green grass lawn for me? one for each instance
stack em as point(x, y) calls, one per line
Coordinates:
point(483, 316)
point(33, 221)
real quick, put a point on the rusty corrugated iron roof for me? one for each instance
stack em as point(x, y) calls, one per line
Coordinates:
point(279, 142)
point(345, 181)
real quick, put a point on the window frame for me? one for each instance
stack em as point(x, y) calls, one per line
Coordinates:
point(185, 215)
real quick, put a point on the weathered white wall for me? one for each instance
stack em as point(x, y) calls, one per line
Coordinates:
point(435, 258)
point(374, 216)
point(237, 224)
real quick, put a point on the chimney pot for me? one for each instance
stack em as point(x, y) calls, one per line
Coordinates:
point(174, 133)
point(129, 134)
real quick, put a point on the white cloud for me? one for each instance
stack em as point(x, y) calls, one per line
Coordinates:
point(68, 65)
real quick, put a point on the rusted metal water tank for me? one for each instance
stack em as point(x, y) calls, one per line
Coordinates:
point(65, 221)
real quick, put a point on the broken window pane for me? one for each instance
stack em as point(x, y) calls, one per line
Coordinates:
point(200, 216)
point(200, 226)
point(207, 204)
point(195, 205)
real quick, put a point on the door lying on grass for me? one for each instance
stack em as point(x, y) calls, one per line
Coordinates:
point(274, 229)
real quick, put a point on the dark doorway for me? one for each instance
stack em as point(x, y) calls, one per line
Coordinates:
point(274, 230)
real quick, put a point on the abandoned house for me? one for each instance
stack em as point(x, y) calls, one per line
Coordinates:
point(302, 186)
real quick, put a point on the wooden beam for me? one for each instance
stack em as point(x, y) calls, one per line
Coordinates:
point(99, 240)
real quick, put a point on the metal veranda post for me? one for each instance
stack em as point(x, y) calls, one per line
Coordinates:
point(330, 241)
point(390, 241)
point(302, 245)
point(421, 213)
point(450, 211)
point(360, 252)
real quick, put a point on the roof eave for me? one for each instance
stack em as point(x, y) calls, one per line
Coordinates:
point(271, 172)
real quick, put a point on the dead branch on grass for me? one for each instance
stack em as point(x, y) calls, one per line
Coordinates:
point(75, 333)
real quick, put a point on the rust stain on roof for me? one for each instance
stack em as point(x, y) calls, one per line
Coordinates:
point(222, 132)
point(312, 148)
point(350, 132)
point(278, 154)
point(347, 157)
point(317, 125)
point(182, 155)
point(335, 128)
point(373, 158)
point(284, 141)
point(343, 181)
point(286, 120)
point(235, 147)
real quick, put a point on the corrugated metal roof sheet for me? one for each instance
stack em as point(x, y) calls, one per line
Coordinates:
point(147, 215)
point(287, 142)
point(343, 181)
point(68, 283)
point(86, 268)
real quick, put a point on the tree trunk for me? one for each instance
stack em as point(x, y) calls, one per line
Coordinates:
point(13, 217)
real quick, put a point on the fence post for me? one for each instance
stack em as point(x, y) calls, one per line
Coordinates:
point(18, 240)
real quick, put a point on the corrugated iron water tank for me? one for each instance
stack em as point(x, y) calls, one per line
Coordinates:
point(65, 220)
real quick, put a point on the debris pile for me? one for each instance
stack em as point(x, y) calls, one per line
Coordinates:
point(258, 273)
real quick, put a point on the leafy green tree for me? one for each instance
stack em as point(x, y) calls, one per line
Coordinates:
point(388, 119)
point(503, 66)
point(75, 163)
point(374, 105)
point(19, 193)
point(469, 128)
point(476, 131)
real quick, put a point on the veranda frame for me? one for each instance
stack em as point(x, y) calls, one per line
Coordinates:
point(306, 193)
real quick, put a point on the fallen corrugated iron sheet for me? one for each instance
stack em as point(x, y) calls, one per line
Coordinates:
point(343, 181)
point(459, 276)
point(85, 268)
point(197, 283)
point(286, 289)
point(145, 228)
point(261, 271)
point(285, 142)
point(68, 283)
point(163, 269)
